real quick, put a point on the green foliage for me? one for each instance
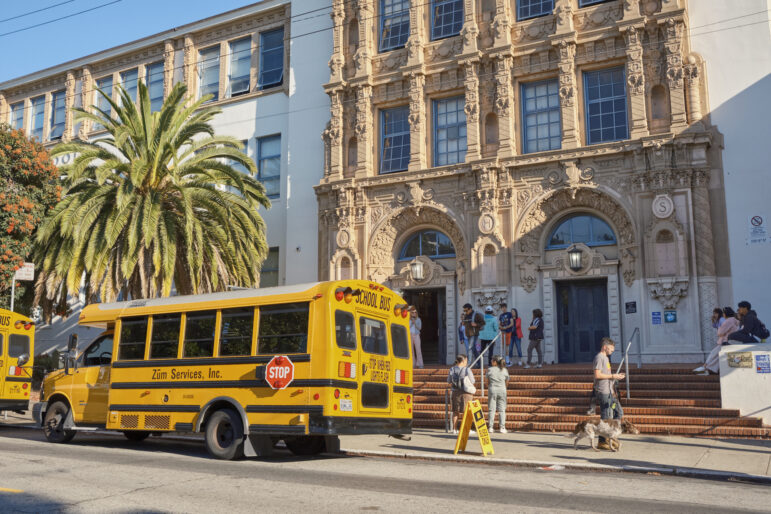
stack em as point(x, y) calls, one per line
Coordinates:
point(156, 201)
point(28, 191)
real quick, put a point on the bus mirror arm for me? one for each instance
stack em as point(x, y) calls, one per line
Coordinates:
point(260, 373)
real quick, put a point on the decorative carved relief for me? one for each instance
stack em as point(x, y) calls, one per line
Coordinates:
point(668, 290)
point(662, 206)
point(600, 16)
point(492, 297)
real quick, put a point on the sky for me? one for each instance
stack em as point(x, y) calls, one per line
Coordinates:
point(26, 48)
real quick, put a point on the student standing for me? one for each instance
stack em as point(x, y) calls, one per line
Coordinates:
point(415, 326)
point(516, 337)
point(488, 333)
point(506, 325)
point(459, 396)
point(473, 322)
point(497, 377)
point(535, 337)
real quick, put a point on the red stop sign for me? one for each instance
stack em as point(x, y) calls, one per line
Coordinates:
point(279, 372)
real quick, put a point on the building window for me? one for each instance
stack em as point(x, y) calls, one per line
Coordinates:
point(446, 18)
point(605, 105)
point(240, 66)
point(394, 24)
point(57, 115)
point(394, 139)
point(587, 3)
point(430, 243)
point(38, 110)
point(17, 115)
point(582, 228)
point(271, 58)
point(533, 8)
point(128, 79)
point(541, 116)
point(105, 86)
point(209, 73)
point(269, 164)
point(449, 131)
point(154, 81)
point(269, 270)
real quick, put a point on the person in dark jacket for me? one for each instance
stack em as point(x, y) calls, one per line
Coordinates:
point(750, 324)
point(536, 336)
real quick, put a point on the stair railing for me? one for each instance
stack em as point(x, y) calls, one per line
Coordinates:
point(625, 361)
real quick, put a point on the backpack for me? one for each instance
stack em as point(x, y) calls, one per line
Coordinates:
point(761, 332)
point(457, 379)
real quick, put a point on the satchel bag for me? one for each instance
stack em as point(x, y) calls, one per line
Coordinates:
point(468, 385)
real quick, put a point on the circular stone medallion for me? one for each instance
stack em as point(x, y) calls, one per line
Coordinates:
point(662, 206)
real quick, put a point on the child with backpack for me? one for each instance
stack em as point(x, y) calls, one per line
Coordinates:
point(461, 380)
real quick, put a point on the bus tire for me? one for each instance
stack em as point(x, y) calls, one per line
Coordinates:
point(136, 436)
point(53, 425)
point(225, 435)
point(305, 445)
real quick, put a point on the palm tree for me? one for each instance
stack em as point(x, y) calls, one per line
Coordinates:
point(155, 202)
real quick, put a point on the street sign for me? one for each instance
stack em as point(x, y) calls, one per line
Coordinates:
point(762, 363)
point(656, 318)
point(26, 272)
point(670, 316)
point(279, 372)
point(474, 416)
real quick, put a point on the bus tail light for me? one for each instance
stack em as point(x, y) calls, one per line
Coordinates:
point(346, 369)
point(14, 371)
point(24, 385)
point(316, 396)
point(29, 325)
point(339, 294)
point(401, 376)
point(18, 325)
point(405, 313)
point(409, 398)
point(337, 394)
point(398, 311)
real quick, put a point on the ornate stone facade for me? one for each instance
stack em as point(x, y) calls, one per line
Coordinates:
point(500, 205)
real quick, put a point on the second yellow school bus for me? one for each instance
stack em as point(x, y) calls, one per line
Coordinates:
point(17, 346)
point(302, 363)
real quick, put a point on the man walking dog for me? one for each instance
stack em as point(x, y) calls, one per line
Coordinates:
point(610, 406)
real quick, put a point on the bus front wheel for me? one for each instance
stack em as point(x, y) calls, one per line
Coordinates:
point(225, 435)
point(305, 445)
point(53, 425)
point(136, 436)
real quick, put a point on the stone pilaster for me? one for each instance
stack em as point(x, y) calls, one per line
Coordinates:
point(503, 106)
point(692, 77)
point(168, 67)
point(69, 103)
point(471, 83)
point(363, 58)
point(635, 81)
point(364, 131)
point(86, 99)
point(705, 255)
point(470, 31)
point(4, 115)
point(417, 121)
point(673, 30)
point(338, 58)
point(336, 135)
point(567, 83)
point(188, 70)
point(502, 25)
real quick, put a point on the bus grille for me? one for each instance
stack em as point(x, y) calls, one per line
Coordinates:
point(129, 421)
point(157, 421)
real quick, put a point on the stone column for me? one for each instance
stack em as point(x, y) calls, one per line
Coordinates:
point(502, 25)
point(417, 121)
point(336, 134)
point(4, 116)
point(363, 58)
point(692, 75)
point(86, 100)
point(69, 103)
point(189, 65)
point(338, 58)
point(673, 48)
point(364, 131)
point(168, 67)
point(417, 38)
point(503, 106)
point(470, 31)
point(471, 83)
point(635, 81)
point(705, 255)
point(568, 107)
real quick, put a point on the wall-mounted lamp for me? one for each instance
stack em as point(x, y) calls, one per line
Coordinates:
point(416, 270)
point(574, 259)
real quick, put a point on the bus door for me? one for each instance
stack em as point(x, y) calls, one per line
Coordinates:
point(375, 365)
point(3, 339)
point(12, 373)
point(91, 382)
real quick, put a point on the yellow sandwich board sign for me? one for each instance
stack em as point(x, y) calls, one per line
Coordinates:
point(474, 414)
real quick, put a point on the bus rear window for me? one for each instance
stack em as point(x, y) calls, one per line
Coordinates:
point(400, 343)
point(165, 339)
point(284, 328)
point(18, 345)
point(133, 333)
point(373, 336)
point(345, 330)
point(236, 335)
point(199, 334)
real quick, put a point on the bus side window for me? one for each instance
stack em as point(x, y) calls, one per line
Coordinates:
point(399, 341)
point(133, 333)
point(345, 330)
point(236, 333)
point(165, 339)
point(99, 353)
point(283, 328)
point(199, 334)
point(18, 345)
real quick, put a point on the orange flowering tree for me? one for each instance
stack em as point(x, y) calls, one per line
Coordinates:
point(28, 190)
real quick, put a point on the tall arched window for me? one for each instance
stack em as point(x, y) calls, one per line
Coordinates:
point(430, 243)
point(581, 228)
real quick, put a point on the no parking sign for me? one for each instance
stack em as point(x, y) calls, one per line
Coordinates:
point(757, 229)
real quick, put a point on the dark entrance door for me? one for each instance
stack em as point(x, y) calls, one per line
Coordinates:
point(431, 310)
point(582, 319)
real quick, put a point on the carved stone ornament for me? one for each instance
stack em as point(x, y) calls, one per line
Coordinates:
point(486, 223)
point(343, 238)
point(668, 290)
point(662, 206)
point(528, 274)
point(492, 297)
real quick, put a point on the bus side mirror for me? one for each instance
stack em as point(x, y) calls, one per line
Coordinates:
point(22, 360)
point(72, 353)
point(72, 344)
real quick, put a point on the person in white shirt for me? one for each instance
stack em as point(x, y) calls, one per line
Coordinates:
point(415, 326)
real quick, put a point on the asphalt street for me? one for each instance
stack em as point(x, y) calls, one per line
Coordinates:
point(99, 473)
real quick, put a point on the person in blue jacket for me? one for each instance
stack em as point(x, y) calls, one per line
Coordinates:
point(488, 333)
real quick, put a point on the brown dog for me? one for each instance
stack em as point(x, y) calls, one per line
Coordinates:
point(611, 429)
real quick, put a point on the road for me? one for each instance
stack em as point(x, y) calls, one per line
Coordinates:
point(101, 473)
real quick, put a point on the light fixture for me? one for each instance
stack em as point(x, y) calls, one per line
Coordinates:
point(416, 269)
point(574, 259)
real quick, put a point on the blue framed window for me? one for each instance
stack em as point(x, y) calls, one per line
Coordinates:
point(58, 109)
point(38, 110)
point(154, 81)
point(128, 80)
point(394, 139)
point(449, 131)
point(446, 18)
point(606, 116)
point(271, 58)
point(430, 243)
point(394, 24)
point(581, 228)
point(17, 115)
point(541, 116)
point(105, 86)
point(269, 164)
point(240, 66)
point(209, 73)
point(587, 3)
point(534, 8)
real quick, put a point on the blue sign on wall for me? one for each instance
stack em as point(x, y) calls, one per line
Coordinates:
point(656, 318)
point(670, 316)
point(762, 364)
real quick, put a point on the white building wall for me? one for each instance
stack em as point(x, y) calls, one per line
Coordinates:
point(734, 38)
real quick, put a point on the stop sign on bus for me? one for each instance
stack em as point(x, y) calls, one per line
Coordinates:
point(279, 372)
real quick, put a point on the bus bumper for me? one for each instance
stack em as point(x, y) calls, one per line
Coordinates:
point(37, 412)
point(339, 425)
point(14, 405)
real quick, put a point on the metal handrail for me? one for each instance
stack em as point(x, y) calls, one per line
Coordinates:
point(482, 363)
point(446, 409)
point(625, 361)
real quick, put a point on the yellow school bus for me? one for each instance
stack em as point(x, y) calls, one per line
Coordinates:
point(17, 344)
point(302, 364)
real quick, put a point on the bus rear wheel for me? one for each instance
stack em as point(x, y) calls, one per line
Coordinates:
point(305, 445)
point(136, 436)
point(225, 435)
point(53, 425)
